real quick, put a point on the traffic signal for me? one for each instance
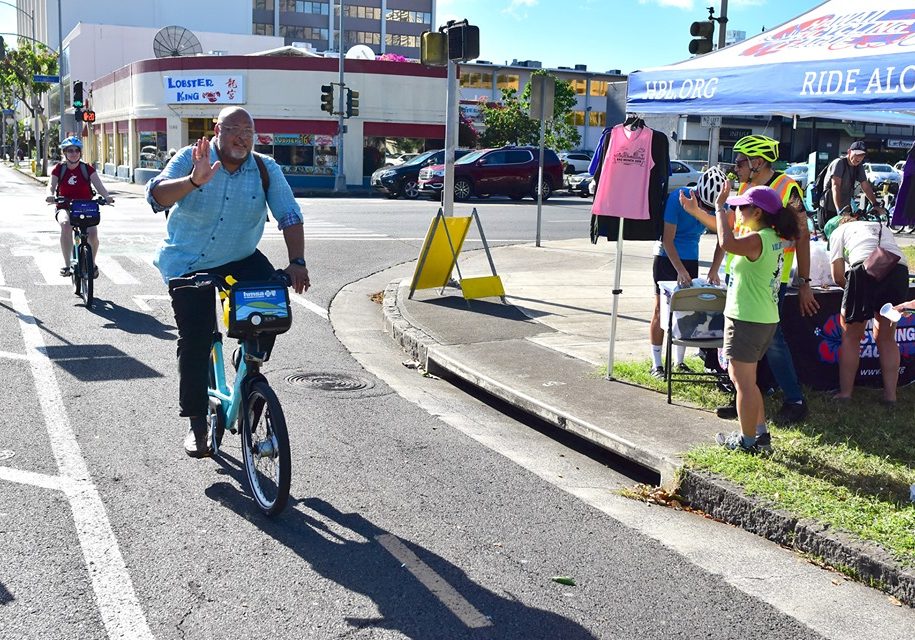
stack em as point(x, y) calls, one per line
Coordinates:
point(78, 95)
point(702, 37)
point(78, 115)
point(433, 49)
point(327, 98)
point(352, 103)
point(463, 42)
point(89, 116)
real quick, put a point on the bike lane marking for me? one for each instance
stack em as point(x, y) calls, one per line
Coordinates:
point(447, 595)
point(308, 304)
point(120, 610)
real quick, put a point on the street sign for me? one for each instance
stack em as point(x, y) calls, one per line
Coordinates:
point(47, 79)
point(710, 121)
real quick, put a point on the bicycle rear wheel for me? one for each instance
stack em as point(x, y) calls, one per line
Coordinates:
point(86, 272)
point(74, 270)
point(265, 448)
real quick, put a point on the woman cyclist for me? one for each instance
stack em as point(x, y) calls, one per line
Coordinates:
point(74, 179)
point(677, 253)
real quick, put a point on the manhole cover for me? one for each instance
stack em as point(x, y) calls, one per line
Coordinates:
point(329, 381)
point(6, 454)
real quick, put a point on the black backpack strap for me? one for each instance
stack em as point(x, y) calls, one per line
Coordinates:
point(262, 169)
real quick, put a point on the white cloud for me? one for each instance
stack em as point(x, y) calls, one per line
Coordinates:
point(518, 8)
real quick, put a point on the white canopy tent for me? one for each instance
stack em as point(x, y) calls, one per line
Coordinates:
point(842, 59)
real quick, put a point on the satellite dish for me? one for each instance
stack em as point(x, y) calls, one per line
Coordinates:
point(175, 41)
point(360, 52)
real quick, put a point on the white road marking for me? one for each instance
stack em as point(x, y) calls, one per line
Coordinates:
point(446, 594)
point(49, 264)
point(140, 301)
point(114, 271)
point(2, 279)
point(9, 355)
point(308, 304)
point(117, 602)
point(32, 479)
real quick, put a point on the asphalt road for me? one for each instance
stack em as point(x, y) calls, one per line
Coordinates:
point(416, 512)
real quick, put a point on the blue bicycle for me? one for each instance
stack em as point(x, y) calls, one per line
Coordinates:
point(251, 310)
point(82, 214)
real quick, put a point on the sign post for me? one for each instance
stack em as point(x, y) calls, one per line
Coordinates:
point(543, 92)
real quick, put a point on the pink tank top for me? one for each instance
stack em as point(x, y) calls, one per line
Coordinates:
point(623, 188)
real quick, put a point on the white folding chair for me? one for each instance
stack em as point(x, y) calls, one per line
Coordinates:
point(709, 300)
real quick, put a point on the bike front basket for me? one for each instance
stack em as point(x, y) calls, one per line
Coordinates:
point(258, 308)
point(84, 213)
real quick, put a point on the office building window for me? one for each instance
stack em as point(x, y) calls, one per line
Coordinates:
point(397, 40)
point(473, 80)
point(598, 87)
point(416, 17)
point(362, 37)
point(507, 81)
point(304, 6)
point(597, 119)
point(579, 86)
point(263, 4)
point(303, 33)
point(576, 118)
point(359, 11)
point(261, 29)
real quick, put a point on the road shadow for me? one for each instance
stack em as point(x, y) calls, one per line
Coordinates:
point(5, 596)
point(130, 321)
point(416, 592)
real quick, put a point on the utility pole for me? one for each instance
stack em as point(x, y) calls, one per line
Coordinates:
point(340, 178)
point(722, 24)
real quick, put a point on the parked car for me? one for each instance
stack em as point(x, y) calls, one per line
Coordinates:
point(579, 183)
point(798, 173)
point(508, 171)
point(575, 161)
point(878, 173)
point(899, 166)
point(698, 165)
point(393, 161)
point(682, 175)
point(402, 180)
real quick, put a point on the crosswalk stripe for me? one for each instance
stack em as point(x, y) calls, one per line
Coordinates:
point(114, 271)
point(49, 265)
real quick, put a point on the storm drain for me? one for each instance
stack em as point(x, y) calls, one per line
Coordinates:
point(327, 381)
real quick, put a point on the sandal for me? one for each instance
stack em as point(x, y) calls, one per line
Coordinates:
point(65, 272)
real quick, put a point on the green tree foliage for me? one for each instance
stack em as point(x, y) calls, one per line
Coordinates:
point(510, 123)
point(17, 69)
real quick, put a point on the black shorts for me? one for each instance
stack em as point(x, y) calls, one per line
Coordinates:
point(863, 296)
point(663, 269)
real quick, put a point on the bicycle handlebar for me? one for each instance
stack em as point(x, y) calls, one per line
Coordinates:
point(101, 200)
point(220, 282)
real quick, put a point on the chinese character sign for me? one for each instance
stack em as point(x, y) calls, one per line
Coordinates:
point(204, 89)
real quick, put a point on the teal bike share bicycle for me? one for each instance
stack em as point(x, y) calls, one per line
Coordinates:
point(249, 405)
point(83, 214)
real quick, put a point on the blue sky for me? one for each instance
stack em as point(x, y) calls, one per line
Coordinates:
point(605, 34)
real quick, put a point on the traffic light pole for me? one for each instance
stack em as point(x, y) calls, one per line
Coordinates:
point(722, 24)
point(340, 178)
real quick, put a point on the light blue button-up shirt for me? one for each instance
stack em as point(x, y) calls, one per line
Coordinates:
point(223, 220)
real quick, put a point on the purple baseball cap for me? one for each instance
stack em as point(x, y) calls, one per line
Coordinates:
point(766, 198)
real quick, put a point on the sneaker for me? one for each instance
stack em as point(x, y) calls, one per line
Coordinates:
point(65, 272)
point(683, 368)
point(764, 442)
point(195, 442)
point(734, 442)
point(791, 413)
point(727, 412)
point(657, 372)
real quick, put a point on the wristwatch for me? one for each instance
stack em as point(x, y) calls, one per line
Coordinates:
point(298, 261)
point(804, 280)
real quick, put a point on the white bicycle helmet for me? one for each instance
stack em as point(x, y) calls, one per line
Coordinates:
point(710, 185)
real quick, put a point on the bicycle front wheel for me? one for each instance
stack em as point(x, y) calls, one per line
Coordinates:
point(265, 447)
point(86, 272)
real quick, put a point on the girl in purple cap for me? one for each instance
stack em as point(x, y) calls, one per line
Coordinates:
point(751, 310)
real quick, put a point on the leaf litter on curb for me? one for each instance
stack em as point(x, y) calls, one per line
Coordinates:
point(661, 497)
point(566, 580)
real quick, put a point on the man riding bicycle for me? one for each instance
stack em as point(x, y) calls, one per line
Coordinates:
point(74, 179)
point(218, 199)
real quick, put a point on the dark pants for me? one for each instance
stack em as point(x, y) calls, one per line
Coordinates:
point(195, 316)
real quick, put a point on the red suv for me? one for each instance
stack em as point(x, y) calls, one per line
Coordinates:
point(507, 171)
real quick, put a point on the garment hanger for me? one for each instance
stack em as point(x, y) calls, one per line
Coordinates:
point(633, 121)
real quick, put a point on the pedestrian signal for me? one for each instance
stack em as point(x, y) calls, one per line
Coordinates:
point(89, 116)
point(352, 103)
point(433, 49)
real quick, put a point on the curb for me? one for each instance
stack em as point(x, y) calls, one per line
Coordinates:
point(866, 561)
point(720, 499)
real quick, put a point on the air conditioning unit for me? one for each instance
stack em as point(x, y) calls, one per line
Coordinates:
point(218, 52)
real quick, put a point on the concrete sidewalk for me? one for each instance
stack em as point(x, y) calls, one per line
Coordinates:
point(542, 353)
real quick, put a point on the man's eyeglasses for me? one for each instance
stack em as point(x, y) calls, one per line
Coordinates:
point(241, 132)
point(740, 163)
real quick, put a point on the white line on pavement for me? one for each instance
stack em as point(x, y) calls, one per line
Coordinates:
point(140, 301)
point(117, 602)
point(32, 479)
point(2, 279)
point(308, 304)
point(114, 271)
point(446, 594)
point(9, 355)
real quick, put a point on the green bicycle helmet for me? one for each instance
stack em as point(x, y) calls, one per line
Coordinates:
point(758, 147)
point(831, 226)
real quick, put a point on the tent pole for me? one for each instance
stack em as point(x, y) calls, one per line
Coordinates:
point(616, 298)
